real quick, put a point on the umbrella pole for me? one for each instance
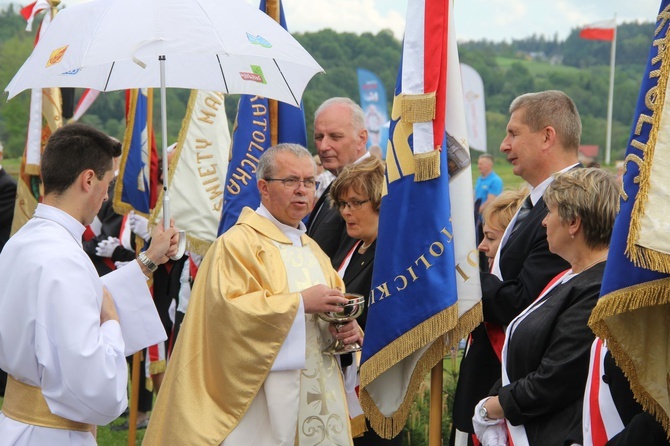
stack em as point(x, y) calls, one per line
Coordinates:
point(166, 195)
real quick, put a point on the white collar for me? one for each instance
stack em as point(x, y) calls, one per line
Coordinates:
point(74, 227)
point(365, 156)
point(537, 192)
point(293, 234)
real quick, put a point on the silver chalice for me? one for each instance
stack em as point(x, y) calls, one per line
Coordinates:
point(348, 312)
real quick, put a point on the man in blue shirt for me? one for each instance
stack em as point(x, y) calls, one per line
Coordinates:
point(488, 185)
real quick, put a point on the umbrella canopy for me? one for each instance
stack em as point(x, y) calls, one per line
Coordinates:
point(221, 45)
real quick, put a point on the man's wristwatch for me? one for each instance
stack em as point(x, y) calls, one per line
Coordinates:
point(146, 261)
point(483, 413)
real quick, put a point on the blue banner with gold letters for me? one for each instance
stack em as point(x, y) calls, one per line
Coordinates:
point(633, 311)
point(251, 136)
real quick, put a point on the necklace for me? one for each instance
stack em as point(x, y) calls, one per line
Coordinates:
point(364, 246)
point(598, 260)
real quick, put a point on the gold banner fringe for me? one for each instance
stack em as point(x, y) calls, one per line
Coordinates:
point(32, 169)
point(635, 253)
point(196, 245)
point(157, 367)
point(626, 300)
point(648, 258)
point(358, 426)
point(417, 107)
point(416, 338)
point(389, 427)
point(427, 166)
point(466, 323)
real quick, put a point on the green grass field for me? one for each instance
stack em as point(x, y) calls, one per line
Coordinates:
point(12, 166)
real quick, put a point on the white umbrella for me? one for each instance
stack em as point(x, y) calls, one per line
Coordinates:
point(221, 45)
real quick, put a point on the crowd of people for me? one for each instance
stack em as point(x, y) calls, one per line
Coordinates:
point(248, 366)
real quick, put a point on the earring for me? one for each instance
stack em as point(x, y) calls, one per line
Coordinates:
point(572, 236)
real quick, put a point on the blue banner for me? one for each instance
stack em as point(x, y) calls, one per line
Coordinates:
point(133, 189)
point(414, 273)
point(251, 136)
point(373, 103)
point(633, 309)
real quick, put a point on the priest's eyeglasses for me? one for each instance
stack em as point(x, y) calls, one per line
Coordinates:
point(294, 182)
point(353, 205)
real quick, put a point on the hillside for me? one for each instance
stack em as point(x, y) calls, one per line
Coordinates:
point(580, 68)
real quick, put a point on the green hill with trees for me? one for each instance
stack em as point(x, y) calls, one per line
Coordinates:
point(576, 66)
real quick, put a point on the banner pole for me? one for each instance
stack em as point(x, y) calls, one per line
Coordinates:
point(435, 420)
point(134, 396)
point(272, 10)
point(610, 101)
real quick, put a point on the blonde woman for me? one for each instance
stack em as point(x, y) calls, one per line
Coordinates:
point(496, 218)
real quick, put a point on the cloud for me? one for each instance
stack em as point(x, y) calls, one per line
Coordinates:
point(355, 16)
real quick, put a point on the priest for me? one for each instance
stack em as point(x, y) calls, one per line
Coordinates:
point(247, 368)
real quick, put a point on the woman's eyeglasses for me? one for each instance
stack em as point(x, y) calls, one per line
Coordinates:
point(353, 205)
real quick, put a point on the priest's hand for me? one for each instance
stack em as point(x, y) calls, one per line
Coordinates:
point(348, 333)
point(164, 243)
point(108, 310)
point(320, 298)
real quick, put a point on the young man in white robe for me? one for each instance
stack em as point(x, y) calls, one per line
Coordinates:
point(248, 367)
point(64, 331)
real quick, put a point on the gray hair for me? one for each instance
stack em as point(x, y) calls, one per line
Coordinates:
point(267, 162)
point(551, 108)
point(357, 114)
point(591, 194)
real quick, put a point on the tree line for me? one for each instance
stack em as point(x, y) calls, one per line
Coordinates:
point(576, 66)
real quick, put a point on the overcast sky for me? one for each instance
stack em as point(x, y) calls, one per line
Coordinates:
point(475, 19)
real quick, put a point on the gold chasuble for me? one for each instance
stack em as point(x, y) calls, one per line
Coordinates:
point(244, 301)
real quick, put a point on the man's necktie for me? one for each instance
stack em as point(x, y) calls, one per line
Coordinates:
point(523, 213)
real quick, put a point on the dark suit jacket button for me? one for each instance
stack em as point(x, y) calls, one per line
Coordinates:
point(606, 379)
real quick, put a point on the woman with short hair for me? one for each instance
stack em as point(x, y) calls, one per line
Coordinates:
point(545, 358)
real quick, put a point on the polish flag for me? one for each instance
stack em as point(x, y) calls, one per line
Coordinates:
point(603, 30)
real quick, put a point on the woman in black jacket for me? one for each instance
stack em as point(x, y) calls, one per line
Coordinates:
point(546, 352)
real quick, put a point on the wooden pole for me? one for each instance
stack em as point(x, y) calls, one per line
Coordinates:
point(134, 396)
point(435, 422)
point(610, 98)
point(272, 10)
point(137, 359)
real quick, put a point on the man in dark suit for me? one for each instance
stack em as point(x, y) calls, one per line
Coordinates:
point(340, 138)
point(543, 136)
point(7, 200)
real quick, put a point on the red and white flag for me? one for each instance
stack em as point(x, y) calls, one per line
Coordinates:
point(87, 98)
point(603, 30)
